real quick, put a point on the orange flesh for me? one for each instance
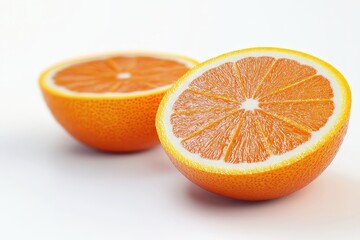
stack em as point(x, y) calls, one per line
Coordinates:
point(120, 74)
point(213, 121)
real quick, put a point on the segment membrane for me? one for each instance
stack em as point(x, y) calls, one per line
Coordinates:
point(221, 81)
point(190, 100)
point(252, 71)
point(280, 135)
point(185, 123)
point(317, 87)
point(284, 72)
point(313, 115)
point(212, 141)
point(247, 144)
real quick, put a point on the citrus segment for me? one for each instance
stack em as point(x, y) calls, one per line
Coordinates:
point(311, 114)
point(109, 102)
point(211, 141)
point(253, 112)
point(222, 82)
point(251, 72)
point(195, 120)
point(315, 87)
point(283, 72)
point(191, 100)
point(280, 135)
point(247, 145)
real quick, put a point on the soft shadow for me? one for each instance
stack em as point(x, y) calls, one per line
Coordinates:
point(73, 156)
point(202, 196)
point(332, 197)
point(77, 148)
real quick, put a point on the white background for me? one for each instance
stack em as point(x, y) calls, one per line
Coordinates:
point(52, 187)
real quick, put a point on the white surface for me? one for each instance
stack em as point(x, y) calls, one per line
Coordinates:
point(51, 187)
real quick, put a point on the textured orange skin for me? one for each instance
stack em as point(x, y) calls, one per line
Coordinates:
point(109, 124)
point(270, 184)
point(261, 182)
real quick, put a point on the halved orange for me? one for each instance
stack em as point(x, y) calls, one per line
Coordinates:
point(109, 101)
point(255, 124)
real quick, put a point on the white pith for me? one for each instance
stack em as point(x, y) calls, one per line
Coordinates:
point(250, 104)
point(123, 75)
point(49, 78)
point(316, 137)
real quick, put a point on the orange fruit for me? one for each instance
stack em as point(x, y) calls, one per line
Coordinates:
point(109, 101)
point(255, 124)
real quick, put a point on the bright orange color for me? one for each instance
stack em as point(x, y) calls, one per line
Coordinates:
point(110, 102)
point(266, 184)
point(281, 122)
point(247, 111)
point(120, 74)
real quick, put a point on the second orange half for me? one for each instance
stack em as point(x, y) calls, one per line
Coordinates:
point(109, 101)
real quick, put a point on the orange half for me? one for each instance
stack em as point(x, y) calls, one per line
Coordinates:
point(109, 101)
point(256, 123)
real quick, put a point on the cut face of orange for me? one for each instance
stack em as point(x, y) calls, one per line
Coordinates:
point(109, 102)
point(255, 124)
point(120, 74)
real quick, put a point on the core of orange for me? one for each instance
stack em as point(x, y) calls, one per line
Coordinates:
point(109, 101)
point(255, 124)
